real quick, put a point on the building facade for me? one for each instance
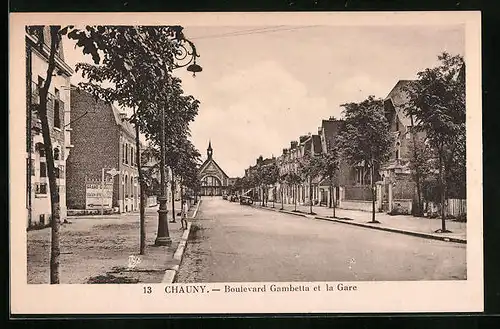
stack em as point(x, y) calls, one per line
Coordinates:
point(214, 181)
point(398, 188)
point(104, 147)
point(58, 112)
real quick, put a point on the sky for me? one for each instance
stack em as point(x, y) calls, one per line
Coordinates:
point(264, 86)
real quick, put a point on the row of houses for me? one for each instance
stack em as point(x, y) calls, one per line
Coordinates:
point(395, 188)
point(93, 144)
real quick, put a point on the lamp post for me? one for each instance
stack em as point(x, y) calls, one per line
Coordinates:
point(185, 54)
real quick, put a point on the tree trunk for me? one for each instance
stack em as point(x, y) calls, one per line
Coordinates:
point(330, 202)
point(274, 194)
point(262, 195)
point(282, 197)
point(295, 196)
point(310, 196)
point(373, 192)
point(172, 191)
point(441, 183)
point(142, 211)
point(332, 196)
point(417, 172)
point(182, 191)
point(55, 206)
point(29, 133)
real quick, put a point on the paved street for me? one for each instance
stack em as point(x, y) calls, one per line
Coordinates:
point(235, 243)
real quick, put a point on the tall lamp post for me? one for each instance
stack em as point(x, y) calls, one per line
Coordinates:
point(185, 55)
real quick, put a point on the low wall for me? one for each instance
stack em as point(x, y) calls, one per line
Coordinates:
point(356, 205)
point(86, 212)
point(402, 206)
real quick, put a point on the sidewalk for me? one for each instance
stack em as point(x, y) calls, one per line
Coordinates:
point(98, 248)
point(417, 226)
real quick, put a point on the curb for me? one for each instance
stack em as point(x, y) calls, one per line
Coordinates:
point(380, 228)
point(299, 214)
point(196, 210)
point(171, 273)
point(394, 230)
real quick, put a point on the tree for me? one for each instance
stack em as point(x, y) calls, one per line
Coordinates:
point(294, 180)
point(421, 167)
point(365, 138)
point(56, 32)
point(309, 168)
point(236, 187)
point(282, 179)
point(437, 101)
point(270, 176)
point(328, 168)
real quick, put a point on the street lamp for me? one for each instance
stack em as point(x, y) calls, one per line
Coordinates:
point(185, 54)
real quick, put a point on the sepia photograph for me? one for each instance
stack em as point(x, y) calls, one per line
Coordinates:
point(248, 157)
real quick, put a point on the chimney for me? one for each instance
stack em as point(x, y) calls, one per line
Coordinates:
point(320, 130)
point(293, 144)
point(285, 151)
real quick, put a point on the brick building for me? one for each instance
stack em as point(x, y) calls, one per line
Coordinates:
point(58, 112)
point(103, 139)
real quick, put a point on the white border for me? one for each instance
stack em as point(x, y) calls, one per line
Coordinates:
point(422, 296)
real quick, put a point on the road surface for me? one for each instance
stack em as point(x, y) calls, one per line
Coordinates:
point(235, 243)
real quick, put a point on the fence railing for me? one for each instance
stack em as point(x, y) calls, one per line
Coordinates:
point(456, 207)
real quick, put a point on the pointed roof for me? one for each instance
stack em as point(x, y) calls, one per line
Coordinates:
point(399, 97)
point(209, 161)
point(209, 145)
point(331, 129)
point(316, 140)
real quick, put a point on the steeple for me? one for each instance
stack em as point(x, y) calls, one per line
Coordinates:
point(209, 150)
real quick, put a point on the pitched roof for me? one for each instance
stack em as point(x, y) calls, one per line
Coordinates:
point(316, 140)
point(331, 129)
point(125, 124)
point(207, 162)
point(398, 97)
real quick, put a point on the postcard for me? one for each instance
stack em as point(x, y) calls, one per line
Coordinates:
point(238, 163)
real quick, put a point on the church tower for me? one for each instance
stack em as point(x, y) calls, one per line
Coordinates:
point(209, 150)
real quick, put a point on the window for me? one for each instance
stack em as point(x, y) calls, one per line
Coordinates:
point(41, 218)
point(41, 188)
point(43, 169)
point(56, 154)
point(126, 153)
point(41, 151)
point(360, 176)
